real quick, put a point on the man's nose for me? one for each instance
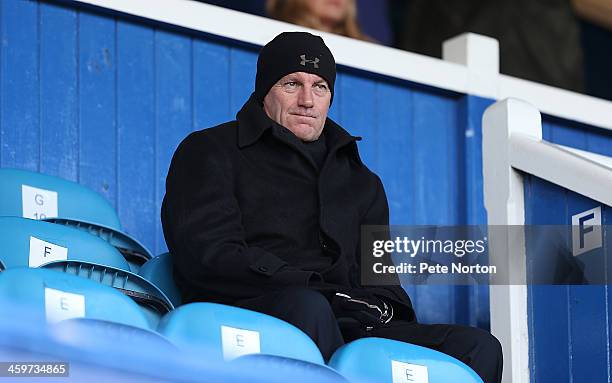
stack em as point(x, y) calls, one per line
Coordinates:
point(305, 97)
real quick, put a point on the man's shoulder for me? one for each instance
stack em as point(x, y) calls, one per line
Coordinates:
point(209, 142)
point(223, 134)
point(223, 131)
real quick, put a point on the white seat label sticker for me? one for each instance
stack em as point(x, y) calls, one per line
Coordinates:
point(408, 373)
point(38, 203)
point(42, 252)
point(61, 305)
point(586, 231)
point(237, 342)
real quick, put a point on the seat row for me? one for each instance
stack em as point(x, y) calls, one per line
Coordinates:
point(80, 267)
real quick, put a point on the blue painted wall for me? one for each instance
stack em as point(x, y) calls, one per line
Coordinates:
point(568, 324)
point(104, 100)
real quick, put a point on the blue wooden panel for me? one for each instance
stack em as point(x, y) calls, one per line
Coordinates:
point(549, 337)
point(589, 330)
point(599, 141)
point(335, 109)
point(434, 154)
point(211, 93)
point(243, 66)
point(19, 110)
point(546, 205)
point(136, 131)
point(587, 308)
point(358, 111)
point(97, 105)
point(393, 143)
point(480, 307)
point(58, 92)
point(607, 222)
point(394, 147)
point(174, 109)
point(563, 133)
point(546, 129)
point(435, 195)
point(473, 108)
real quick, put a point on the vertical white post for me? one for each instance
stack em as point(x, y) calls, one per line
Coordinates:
point(480, 54)
point(504, 201)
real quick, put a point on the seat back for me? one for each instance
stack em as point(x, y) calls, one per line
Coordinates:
point(59, 296)
point(30, 243)
point(226, 332)
point(158, 270)
point(132, 250)
point(92, 333)
point(152, 301)
point(40, 196)
point(288, 369)
point(385, 360)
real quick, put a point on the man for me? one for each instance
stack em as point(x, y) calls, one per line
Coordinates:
point(265, 212)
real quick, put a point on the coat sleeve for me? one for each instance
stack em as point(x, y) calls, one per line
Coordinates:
point(378, 214)
point(202, 222)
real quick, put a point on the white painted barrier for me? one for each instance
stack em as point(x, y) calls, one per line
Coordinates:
point(512, 143)
point(470, 62)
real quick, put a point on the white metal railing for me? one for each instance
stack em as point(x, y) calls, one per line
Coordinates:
point(512, 142)
point(470, 65)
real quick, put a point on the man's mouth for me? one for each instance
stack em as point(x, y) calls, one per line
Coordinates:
point(302, 115)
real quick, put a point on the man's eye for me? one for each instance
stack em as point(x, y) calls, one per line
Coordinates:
point(321, 86)
point(291, 84)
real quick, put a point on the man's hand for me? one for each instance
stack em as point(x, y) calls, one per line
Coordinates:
point(368, 309)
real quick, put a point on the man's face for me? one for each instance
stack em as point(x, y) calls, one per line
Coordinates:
point(299, 102)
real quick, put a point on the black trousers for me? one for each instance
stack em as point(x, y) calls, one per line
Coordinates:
point(310, 311)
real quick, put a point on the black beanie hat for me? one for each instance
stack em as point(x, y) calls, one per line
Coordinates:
point(293, 52)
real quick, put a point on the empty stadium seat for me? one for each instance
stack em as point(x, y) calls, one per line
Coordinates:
point(78, 312)
point(90, 333)
point(40, 196)
point(226, 332)
point(289, 368)
point(385, 360)
point(58, 296)
point(158, 270)
point(152, 301)
point(30, 243)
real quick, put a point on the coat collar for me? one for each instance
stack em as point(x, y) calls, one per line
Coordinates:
point(253, 122)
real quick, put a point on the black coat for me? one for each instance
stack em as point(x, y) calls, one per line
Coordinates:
point(247, 211)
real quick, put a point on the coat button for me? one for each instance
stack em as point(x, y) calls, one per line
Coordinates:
point(323, 242)
point(263, 269)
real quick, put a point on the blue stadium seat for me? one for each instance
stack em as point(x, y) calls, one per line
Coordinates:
point(136, 356)
point(30, 243)
point(225, 332)
point(92, 333)
point(58, 296)
point(158, 270)
point(385, 360)
point(40, 196)
point(79, 312)
point(152, 301)
point(289, 368)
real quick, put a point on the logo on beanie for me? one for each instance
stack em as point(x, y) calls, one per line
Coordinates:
point(313, 62)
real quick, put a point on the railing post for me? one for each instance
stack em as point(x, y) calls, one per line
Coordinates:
point(504, 202)
point(480, 54)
